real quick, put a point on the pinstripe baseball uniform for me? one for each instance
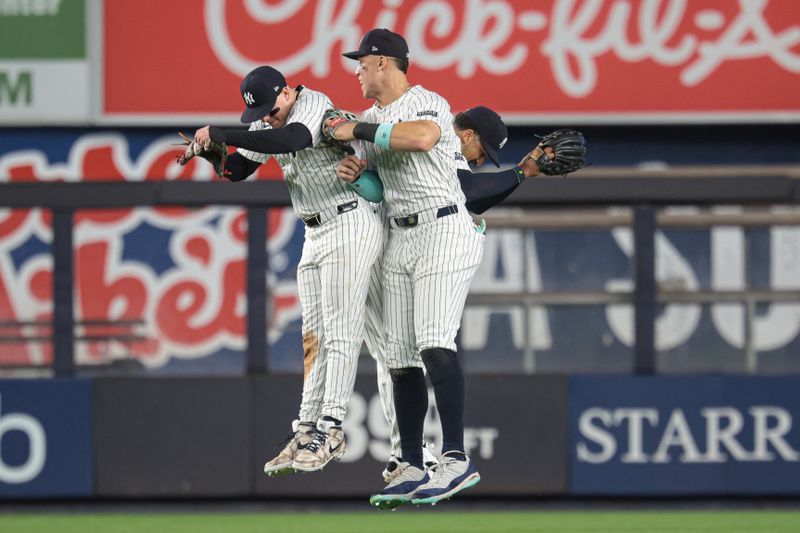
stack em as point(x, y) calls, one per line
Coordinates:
point(375, 339)
point(376, 335)
point(482, 192)
point(343, 240)
point(433, 249)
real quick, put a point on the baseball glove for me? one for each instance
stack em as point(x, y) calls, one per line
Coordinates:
point(333, 119)
point(214, 153)
point(569, 148)
point(342, 146)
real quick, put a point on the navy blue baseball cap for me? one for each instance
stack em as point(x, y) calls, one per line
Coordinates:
point(381, 42)
point(490, 128)
point(260, 89)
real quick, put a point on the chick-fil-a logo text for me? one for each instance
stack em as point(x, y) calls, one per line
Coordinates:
point(498, 36)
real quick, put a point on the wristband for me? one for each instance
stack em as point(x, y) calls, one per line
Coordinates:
point(383, 135)
point(365, 131)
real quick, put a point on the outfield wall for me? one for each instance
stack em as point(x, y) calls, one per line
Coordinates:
point(529, 435)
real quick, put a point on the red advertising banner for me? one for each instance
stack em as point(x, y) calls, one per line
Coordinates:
point(601, 60)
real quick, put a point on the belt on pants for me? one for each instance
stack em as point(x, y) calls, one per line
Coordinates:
point(424, 216)
point(316, 219)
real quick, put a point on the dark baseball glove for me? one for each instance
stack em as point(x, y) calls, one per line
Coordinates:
point(214, 153)
point(333, 119)
point(569, 148)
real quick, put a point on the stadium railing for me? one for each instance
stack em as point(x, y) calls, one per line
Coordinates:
point(595, 198)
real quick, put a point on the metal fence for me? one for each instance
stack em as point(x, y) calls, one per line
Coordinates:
point(597, 198)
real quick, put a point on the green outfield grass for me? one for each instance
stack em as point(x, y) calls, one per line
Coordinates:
point(411, 521)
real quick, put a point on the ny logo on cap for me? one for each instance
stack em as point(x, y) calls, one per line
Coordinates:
point(248, 98)
point(374, 48)
point(276, 88)
point(503, 142)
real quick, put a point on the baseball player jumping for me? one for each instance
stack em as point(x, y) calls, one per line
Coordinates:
point(432, 253)
point(343, 239)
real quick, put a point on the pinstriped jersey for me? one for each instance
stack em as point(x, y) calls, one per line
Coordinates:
point(310, 174)
point(416, 181)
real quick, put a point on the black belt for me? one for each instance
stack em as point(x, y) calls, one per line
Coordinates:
point(316, 219)
point(412, 220)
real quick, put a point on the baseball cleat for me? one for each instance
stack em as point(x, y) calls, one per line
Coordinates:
point(327, 444)
point(390, 472)
point(448, 478)
point(428, 459)
point(301, 435)
point(401, 489)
